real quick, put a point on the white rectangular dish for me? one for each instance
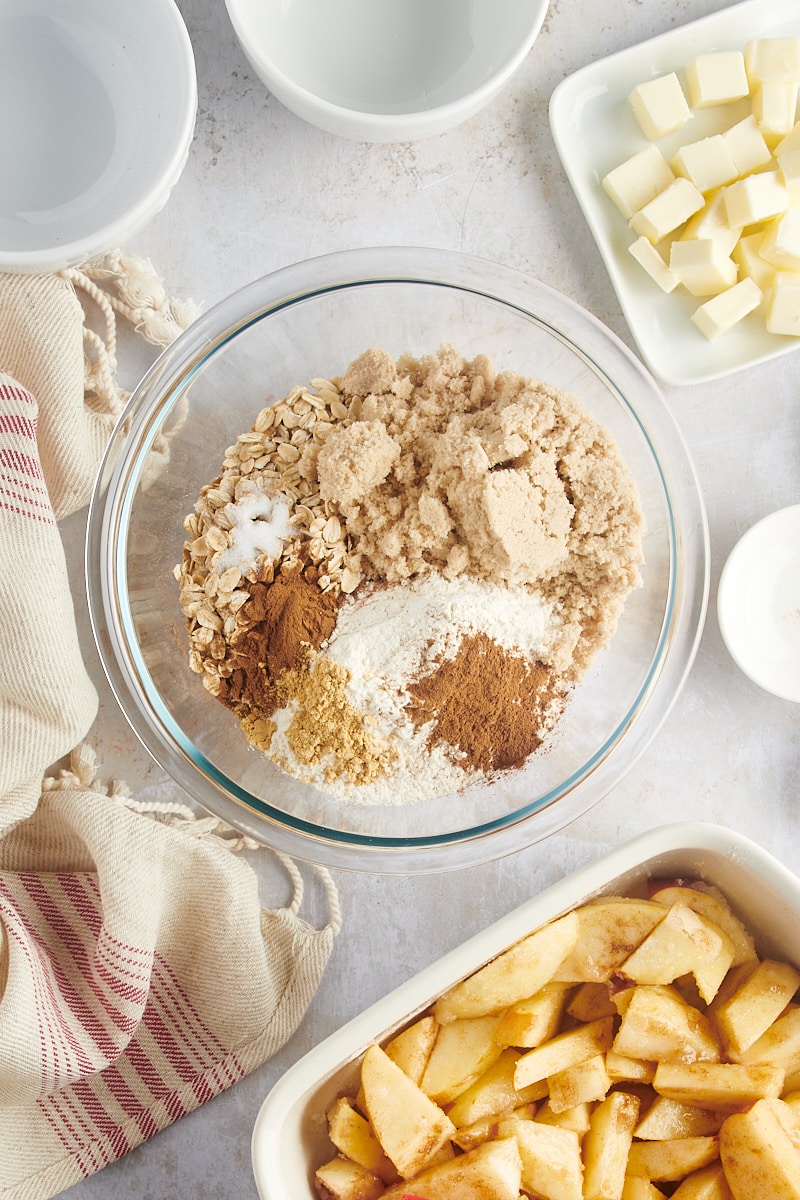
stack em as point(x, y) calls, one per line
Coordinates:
point(594, 129)
point(290, 1134)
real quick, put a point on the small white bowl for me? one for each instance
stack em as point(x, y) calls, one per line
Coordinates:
point(386, 70)
point(758, 603)
point(290, 1135)
point(97, 111)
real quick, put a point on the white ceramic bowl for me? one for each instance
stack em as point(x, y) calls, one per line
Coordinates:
point(386, 70)
point(758, 603)
point(290, 1138)
point(97, 110)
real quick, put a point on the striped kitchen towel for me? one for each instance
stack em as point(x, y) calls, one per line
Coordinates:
point(139, 973)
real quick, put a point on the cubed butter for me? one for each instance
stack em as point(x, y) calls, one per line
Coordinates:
point(638, 180)
point(707, 163)
point(774, 106)
point(746, 145)
point(757, 198)
point(712, 222)
point(791, 143)
point(659, 105)
point(667, 211)
point(783, 306)
point(773, 58)
point(722, 312)
point(716, 78)
point(747, 256)
point(650, 259)
point(781, 242)
point(789, 165)
point(702, 267)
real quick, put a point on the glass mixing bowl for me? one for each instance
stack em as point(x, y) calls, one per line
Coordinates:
point(311, 320)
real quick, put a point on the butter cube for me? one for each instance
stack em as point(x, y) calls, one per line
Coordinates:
point(722, 312)
point(659, 105)
point(777, 58)
point(648, 257)
point(702, 266)
point(712, 222)
point(774, 106)
point(791, 143)
point(746, 145)
point(747, 256)
point(783, 306)
point(716, 78)
point(781, 243)
point(668, 210)
point(789, 165)
point(638, 180)
point(708, 163)
point(756, 198)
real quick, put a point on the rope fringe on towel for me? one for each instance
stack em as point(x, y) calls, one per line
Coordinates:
point(82, 775)
point(131, 288)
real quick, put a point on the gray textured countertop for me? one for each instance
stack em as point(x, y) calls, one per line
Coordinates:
point(261, 190)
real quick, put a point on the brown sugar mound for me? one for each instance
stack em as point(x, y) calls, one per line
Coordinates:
point(492, 475)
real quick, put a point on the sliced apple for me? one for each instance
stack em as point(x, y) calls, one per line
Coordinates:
point(723, 1086)
point(536, 1019)
point(609, 930)
point(551, 1161)
point(514, 975)
point(352, 1136)
point(709, 902)
point(758, 1155)
point(582, 1083)
point(494, 1092)
point(463, 1050)
point(636, 1188)
point(411, 1048)
point(467, 1137)
point(607, 1145)
point(709, 1183)
point(674, 1158)
point(747, 1013)
point(779, 1045)
point(667, 1118)
point(590, 1002)
point(492, 1171)
point(683, 943)
point(410, 1127)
point(564, 1050)
point(622, 1069)
point(576, 1119)
point(659, 1026)
point(341, 1179)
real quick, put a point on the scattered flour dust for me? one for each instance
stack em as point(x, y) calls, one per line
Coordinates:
point(452, 545)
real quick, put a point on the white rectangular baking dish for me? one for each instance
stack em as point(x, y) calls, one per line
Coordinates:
point(290, 1138)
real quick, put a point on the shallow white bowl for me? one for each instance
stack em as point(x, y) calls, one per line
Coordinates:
point(594, 130)
point(97, 110)
point(758, 603)
point(386, 70)
point(290, 1135)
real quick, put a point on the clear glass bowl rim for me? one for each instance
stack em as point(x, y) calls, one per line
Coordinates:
point(169, 376)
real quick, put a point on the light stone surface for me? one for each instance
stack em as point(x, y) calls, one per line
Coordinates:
point(262, 190)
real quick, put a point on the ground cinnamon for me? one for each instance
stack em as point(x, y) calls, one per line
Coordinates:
point(285, 620)
point(493, 706)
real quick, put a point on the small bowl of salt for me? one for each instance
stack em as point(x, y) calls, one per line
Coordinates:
point(758, 603)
